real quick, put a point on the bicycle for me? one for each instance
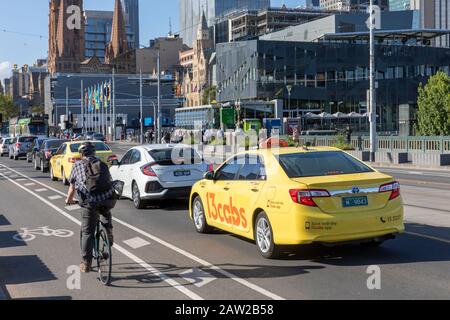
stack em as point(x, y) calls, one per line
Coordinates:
point(102, 254)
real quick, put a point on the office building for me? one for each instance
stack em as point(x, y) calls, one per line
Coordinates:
point(191, 12)
point(330, 74)
point(434, 14)
point(352, 5)
point(131, 12)
point(397, 5)
point(98, 33)
point(244, 25)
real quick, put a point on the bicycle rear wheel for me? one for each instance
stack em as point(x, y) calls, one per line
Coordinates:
point(104, 257)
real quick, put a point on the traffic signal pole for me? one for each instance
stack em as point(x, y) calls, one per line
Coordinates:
point(372, 93)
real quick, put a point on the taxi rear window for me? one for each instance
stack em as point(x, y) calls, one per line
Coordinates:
point(99, 146)
point(313, 164)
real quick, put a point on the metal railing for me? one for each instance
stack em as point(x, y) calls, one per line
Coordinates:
point(387, 143)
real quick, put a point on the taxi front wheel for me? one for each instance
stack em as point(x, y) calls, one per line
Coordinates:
point(199, 217)
point(264, 237)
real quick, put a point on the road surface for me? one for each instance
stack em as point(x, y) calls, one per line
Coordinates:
point(158, 255)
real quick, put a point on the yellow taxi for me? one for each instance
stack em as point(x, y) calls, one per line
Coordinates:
point(62, 162)
point(294, 196)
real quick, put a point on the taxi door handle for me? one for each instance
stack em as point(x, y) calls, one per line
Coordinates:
point(255, 190)
point(226, 188)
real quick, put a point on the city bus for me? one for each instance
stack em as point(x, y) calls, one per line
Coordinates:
point(35, 126)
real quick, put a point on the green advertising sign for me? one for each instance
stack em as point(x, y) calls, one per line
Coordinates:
point(228, 117)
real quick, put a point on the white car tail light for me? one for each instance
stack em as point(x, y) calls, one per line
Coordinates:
point(148, 171)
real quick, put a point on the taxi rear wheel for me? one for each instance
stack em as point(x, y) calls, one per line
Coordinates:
point(64, 178)
point(199, 217)
point(264, 237)
point(52, 174)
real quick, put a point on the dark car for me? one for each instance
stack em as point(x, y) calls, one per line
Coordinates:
point(33, 149)
point(98, 137)
point(19, 147)
point(89, 135)
point(46, 152)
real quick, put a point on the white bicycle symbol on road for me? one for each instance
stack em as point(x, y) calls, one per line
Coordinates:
point(30, 234)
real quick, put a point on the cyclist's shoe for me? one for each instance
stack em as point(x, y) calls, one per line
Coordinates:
point(109, 232)
point(85, 267)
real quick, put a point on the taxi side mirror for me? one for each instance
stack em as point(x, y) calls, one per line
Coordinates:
point(209, 175)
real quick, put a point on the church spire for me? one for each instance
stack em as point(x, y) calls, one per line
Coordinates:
point(118, 44)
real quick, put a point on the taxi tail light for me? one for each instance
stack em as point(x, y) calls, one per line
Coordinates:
point(306, 197)
point(393, 188)
point(210, 168)
point(74, 160)
point(148, 171)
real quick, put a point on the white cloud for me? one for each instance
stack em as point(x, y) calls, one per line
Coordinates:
point(5, 70)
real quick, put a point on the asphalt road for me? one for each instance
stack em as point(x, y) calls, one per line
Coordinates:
point(158, 255)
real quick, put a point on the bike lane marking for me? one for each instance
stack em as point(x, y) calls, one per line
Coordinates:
point(122, 250)
point(182, 252)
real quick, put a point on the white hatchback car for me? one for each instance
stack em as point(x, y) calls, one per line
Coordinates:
point(156, 172)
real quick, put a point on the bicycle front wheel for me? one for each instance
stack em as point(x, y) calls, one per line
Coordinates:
point(104, 257)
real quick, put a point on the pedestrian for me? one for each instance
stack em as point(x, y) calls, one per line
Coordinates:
point(92, 183)
point(348, 135)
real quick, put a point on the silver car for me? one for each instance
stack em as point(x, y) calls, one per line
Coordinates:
point(4, 146)
point(20, 146)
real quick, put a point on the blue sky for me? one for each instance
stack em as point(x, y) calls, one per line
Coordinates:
point(31, 17)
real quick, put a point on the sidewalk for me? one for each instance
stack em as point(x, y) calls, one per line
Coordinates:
point(408, 166)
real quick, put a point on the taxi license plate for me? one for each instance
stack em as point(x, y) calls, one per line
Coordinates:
point(355, 202)
point(184, 173)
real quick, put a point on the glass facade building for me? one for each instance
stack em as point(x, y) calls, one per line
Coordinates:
point(326, 76)
point(98, 33)
point(131, 11)
point(397, 5)
point(191, 11)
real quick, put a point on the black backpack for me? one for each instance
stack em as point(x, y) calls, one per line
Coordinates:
point(98, 178)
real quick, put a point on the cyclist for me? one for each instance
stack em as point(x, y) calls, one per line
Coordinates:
point(87, 175)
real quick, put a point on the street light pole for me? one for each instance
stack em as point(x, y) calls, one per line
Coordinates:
point(114, 105)
point(159, 96)
point(141, 107)
point(372, 93)
point(67, 105)
point(82, 107)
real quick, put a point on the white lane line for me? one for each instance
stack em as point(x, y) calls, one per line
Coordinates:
point(54, 197)
point(41, 190)
point(73, 208)
point(203, 262)
point(128, 254)
point(29, 184)
point(136, 243)
point(427, 236)
point(21, 179)
point(197, 277)
point(183, 252)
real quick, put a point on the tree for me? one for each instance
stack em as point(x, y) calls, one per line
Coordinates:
point(7, 107)
point(209, 95)
point(37, 109)
point(433, 116)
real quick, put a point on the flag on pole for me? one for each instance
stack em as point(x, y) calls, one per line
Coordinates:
point(97, 98)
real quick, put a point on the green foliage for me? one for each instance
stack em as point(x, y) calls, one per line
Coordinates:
point(209, 95)
point(7, 108)
point(433, 116)
point(341, 144)
point(37, 109)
